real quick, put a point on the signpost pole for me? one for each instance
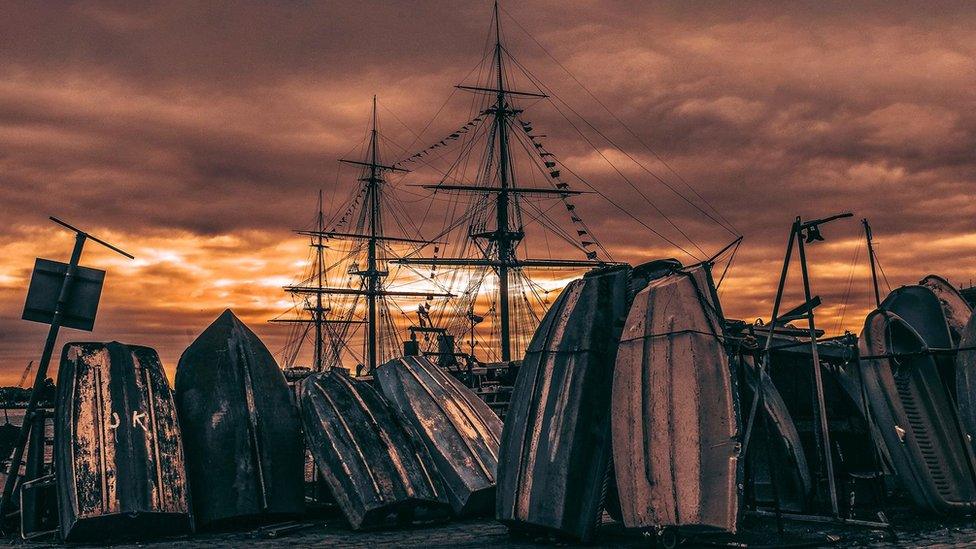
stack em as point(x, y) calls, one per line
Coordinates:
point(62, 304)
point(13, 471)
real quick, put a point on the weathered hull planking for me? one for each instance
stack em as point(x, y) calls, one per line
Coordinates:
point(118, 454)
point(675, 422)
point(374, 464)
point(240, 428)
point(460, 431)
point(916, 422)
point(775, 459)
point(555, 444)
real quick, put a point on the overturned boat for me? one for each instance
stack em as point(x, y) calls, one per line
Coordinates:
point(915, 418)
point(375, 465)
point(675, 421)
point(555, 444)
point(459, 430)
point(118, 454)
point(920, 308)
point(955, 307)
point(778, 468)
point(240, 428)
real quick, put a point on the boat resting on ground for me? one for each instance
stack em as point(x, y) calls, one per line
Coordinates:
point(914, 417)
point(554, 453)
point(675, 420)
point(240, 429)
point(374, 464)
point(459, 430)
point(118, 454)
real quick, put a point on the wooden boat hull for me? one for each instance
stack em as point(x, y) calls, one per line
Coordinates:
point(459, 430)
point(675, 421)
point(916, 421)
point(240, 429)
point(118, 453)
point(775, 459)
point(555, 444)
point(954, 305)
point(373, 463)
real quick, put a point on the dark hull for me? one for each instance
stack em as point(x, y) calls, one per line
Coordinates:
point(920, 308)
point(966, 380)
point(915, 418)
point(675, 421)
point(459, 429)
point(778, 467)
point(240, 429)
point(374, 464)
point(954, 305)
point(118, 454)
point(556, 441)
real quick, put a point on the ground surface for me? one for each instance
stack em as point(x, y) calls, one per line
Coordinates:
point(330, 532)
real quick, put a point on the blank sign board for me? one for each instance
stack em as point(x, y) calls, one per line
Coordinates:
point(45, 288)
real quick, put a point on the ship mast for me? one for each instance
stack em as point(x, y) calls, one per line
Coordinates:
point(506, 238)
point(373, 276)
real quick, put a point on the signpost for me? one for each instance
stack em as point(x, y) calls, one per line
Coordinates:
point(60, 294)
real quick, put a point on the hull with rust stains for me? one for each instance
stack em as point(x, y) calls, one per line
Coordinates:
point(375, 466)
point(914, 416)
point(555, 444)
point(460, 431)
point(675, 418)
point(240, 427)
point(118, 451)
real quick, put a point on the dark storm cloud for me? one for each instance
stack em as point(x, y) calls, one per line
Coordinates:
point(169, 125)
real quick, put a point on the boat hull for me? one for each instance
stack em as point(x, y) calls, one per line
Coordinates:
point(913, 416)
point(373, 463)
point(778, 467)
point(555, 444)
point(118, 451)
point(459, 430)
point(921, 309)
point(240, 427)
point(966, 380)
point(675, 421)
point(954, 305)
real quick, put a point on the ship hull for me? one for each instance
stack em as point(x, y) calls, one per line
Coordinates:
point(556, 440)
point(459, 430)
point(966, 380)
point(119, 457)
point(374, 464)
point(914, 418)
point(240, 428)
point(675, 422)
point(954, 305)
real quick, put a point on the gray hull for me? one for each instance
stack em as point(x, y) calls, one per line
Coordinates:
point(459, 430)
point(555, 445)
point(675, 422)
point(914, 416)
point(119, 457)
point(954, 305)
point(374, 464)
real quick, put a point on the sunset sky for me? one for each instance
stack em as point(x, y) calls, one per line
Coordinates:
point(197, 136)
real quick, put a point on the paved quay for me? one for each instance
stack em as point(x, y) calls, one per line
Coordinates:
point(329, 532)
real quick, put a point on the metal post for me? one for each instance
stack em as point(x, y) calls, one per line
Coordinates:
point(818, 380)
point(13, 471)
point(874, 274)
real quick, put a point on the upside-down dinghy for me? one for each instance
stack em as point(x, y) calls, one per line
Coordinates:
point(240, 428)
point(914, 416)
point(675, 422)
point(555, 444)
point(118, 455)
point(459, 429)
point(375, 466)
